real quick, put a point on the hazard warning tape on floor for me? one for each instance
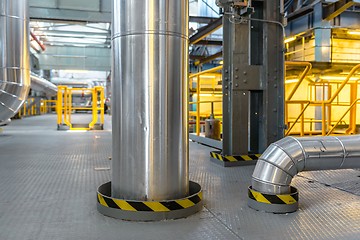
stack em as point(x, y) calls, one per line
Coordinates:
point(288, 199)
point(251, 157)
point(150, 206)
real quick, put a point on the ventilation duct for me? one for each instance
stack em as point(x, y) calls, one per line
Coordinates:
point(283, 159)
point(40, 84)
point(14, 56)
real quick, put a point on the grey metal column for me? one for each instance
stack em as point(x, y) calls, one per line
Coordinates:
point(253, 106)
point(236, 96)
point(14, 56)
point(272, 77)
point(149, 100)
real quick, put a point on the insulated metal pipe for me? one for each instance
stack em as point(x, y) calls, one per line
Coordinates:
point(284, 159)
point(149, 99)
point(42, 85)
point(14, 56)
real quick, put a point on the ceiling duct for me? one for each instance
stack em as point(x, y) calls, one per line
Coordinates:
point(14, 56)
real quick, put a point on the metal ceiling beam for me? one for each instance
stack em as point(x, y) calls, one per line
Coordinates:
point(199, 19)
point(301, 12)
point(333, 10)
point(206, 31)
point(69, 15)
point(77, 44)
point(59, 14)
point(209, 58)
point(210, 42)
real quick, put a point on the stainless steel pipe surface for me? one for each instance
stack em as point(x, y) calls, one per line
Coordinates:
point(284, 159)
point(14, 56)
point(149, 99)
point(42, 85)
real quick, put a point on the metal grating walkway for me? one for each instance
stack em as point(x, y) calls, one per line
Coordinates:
point(49, 180)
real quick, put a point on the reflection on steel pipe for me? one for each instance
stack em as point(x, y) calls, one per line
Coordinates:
point(14, 56)
point(42, 85)
point(150, 143)
point(284, 159)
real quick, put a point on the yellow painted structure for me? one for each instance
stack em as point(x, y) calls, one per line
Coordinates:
point(65, 106)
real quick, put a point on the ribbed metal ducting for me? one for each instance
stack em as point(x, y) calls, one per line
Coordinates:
point(149, 99)
point(14, 56)
point(284, 159)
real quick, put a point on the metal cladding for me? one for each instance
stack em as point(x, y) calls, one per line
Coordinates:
point(42, 85)
point(284, 159)
point(149, 100)
point(14, 56)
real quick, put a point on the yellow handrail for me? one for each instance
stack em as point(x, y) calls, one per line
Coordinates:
point(352, 72)
point(197, 75)
point(218, 68)
point(297, 119)
point(322, 103)
point(342, 117)
point(308, 67)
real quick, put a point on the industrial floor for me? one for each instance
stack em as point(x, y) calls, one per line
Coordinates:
point(49, 180)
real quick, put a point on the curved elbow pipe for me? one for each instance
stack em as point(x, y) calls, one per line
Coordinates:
point(14, 56)
point(283, 159)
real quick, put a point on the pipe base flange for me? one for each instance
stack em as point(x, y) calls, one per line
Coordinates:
point(149, 210)
point(233, 161)
point(281, 203)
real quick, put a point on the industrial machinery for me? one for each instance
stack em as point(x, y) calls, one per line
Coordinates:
point(237, 7)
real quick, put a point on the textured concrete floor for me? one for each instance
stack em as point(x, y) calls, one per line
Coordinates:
point(49, 180)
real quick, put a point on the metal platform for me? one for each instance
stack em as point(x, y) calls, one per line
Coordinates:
point(49, 181)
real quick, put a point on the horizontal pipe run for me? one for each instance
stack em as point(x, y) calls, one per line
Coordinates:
point(284, 159)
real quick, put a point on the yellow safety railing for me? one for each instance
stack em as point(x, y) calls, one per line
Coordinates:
point(64, 106)
point(351, 129)
point(26, 111)
point(198, 90)
point(98, 100)
point(47, 106)
point(325, 104)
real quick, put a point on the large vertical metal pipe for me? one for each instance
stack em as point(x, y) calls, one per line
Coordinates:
point(14, 56)
point(149, 99)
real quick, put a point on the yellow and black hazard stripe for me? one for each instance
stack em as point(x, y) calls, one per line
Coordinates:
point(251, 157)
point(288, 199)
point(149, 206)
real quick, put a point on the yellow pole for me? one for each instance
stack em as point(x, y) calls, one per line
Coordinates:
point(59, 105)
point(68, 106)
point(323, 119)
point(25, 108)
point(198, 105)
point(353, 97)
point(94, 107)
point(302, 121)
point(32, 107)
point(102, 102)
